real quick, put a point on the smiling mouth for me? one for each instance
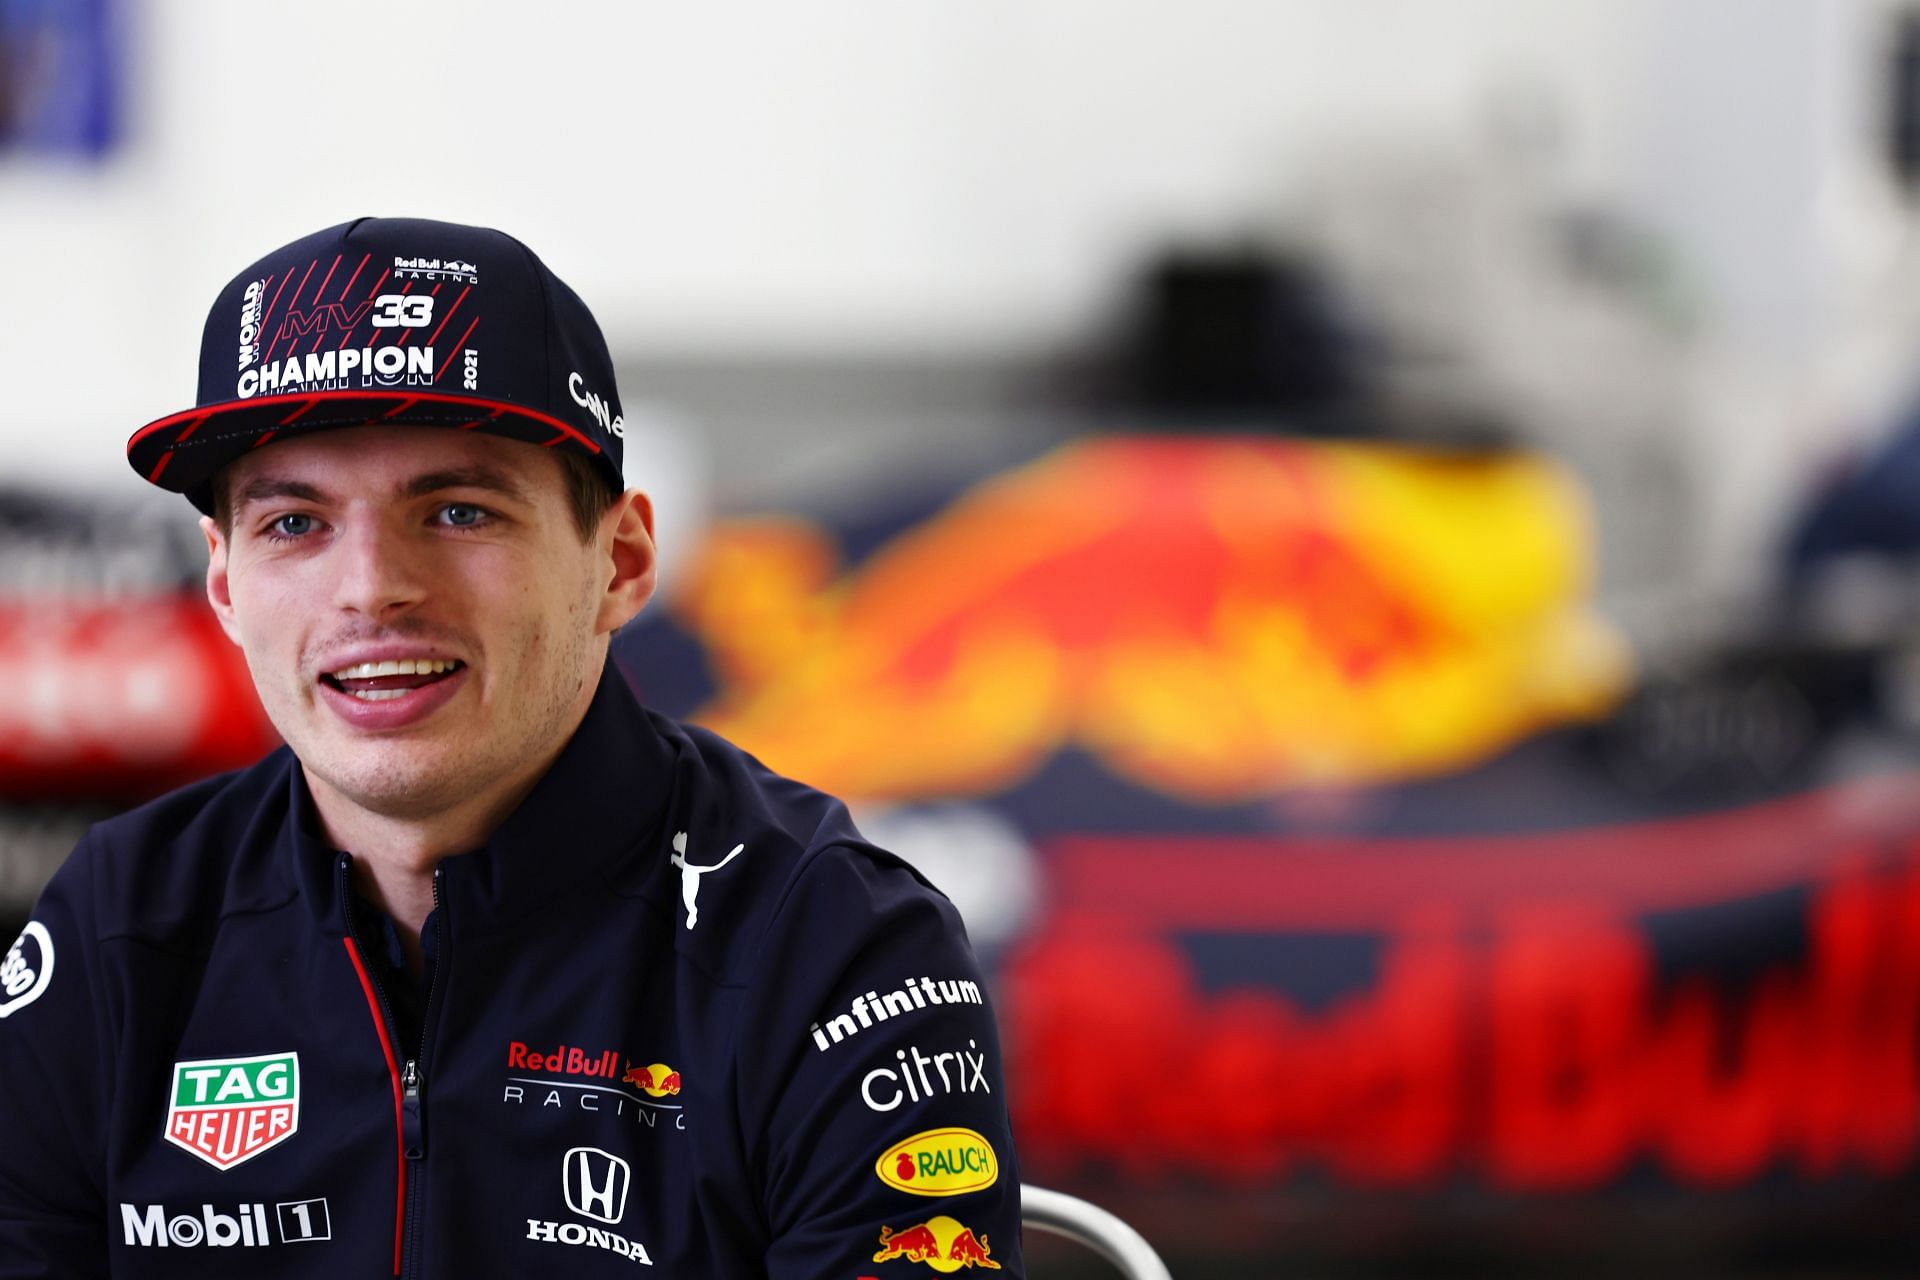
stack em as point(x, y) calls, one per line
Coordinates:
point(392, 678)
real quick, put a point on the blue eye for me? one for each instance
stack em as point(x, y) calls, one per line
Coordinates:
point(463, 515)
point(294, 525)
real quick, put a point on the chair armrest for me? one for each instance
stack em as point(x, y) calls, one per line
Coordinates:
point(1094, 1227)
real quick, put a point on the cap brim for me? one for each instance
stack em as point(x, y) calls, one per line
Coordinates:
point(183, 451)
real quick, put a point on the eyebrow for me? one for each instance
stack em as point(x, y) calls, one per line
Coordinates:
point(272, 488)
point(463, 478)
point(269, 488)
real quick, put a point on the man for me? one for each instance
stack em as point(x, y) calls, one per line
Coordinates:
point(489, 971)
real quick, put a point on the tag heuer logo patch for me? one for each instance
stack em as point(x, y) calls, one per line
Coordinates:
point(226, 1110)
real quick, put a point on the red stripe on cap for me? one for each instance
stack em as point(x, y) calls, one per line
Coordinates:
point(402, 407)
point(355, 276)
point(500, 407)
point(456, 346)
point(292, 302)
point(323, 283)
point(268, 314)
point(312, 401)
point(153, 477)
point(404, 335)
point(262, 438)
point(448, 316)
point(379, 278)
point(401, 341)
point(192, 427)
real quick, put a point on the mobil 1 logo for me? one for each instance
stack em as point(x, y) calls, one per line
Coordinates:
point(242, 1226)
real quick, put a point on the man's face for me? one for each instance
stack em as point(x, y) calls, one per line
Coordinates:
point(420, 615)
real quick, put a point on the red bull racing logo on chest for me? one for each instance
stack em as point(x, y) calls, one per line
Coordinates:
point(568, 1060)
point(570, 1078)
point(657, 1080)
point(227, 1110)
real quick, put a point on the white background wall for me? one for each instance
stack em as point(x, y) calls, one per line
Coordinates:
point(925, 178)
point(832, 176)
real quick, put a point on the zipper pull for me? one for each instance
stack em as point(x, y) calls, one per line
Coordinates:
point(412, 1132)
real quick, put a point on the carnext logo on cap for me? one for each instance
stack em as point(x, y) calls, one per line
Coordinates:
point(593, 404)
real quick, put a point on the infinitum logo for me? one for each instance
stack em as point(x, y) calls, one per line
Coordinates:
point(873, 1007)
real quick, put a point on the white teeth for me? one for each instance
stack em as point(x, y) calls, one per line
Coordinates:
point(380, 695)
point(395, 667)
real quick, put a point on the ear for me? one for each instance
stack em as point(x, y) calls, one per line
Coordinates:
point(626, 532)
point(219, 595)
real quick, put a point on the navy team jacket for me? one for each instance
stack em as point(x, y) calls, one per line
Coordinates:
point(682, 1018)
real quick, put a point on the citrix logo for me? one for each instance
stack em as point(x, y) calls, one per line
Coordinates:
point(246, 1227)
point(896, 1084)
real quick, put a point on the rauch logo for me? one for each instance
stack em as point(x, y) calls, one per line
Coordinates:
point(939, 1162)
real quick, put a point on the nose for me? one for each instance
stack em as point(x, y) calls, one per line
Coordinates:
point(379, 572)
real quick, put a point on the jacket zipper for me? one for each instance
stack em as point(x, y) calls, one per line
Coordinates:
point(413, 1086)
point(409, 1080)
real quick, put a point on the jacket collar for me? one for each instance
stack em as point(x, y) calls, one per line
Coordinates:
point(601, 805)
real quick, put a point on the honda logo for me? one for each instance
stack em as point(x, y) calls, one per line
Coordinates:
point(595, 1183)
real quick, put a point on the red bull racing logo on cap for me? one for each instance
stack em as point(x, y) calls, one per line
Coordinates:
point(227, 1110)
point(942, 1243)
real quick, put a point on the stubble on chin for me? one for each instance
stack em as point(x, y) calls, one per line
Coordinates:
point(395, 780)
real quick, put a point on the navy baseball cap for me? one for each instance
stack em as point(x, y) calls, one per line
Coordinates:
point(390, 321)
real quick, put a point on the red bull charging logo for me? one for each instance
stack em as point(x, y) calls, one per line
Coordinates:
point(1546, 1013)
point(1212, 619)
point(940, 1242)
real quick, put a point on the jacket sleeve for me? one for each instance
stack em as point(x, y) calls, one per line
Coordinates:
point(871, 1088)
point(53, 1060)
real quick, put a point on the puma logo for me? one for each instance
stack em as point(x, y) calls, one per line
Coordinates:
point(690, 874)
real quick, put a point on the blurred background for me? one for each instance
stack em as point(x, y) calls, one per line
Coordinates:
point(1370, 545)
